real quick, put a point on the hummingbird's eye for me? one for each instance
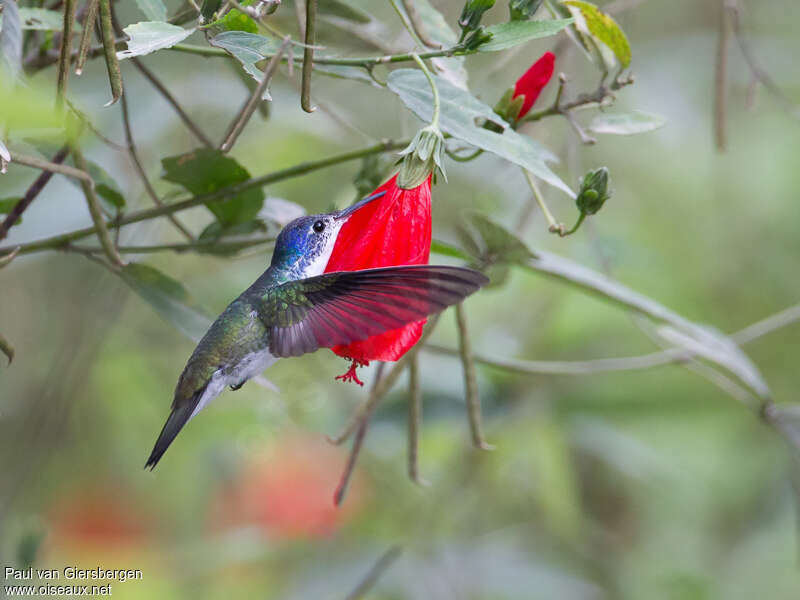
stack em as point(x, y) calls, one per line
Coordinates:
point(319, 226)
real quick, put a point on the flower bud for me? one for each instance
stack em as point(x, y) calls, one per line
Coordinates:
point(510, 106)
point(523, 10)
point(593, 192)
point(421, 157)
point(472, 14)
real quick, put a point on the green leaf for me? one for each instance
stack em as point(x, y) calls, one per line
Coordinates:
point(462, 115)
point(508, 35)
point(42, 19)
point(627, 124)
point(11, 39)
point(590, 20)
point(7, 205)
point(236, 20)
point(491, 243)
point(153, 9)
point(6, 348)
point(248, 49)
point(206, 170)
point(149, 36)
point(168, 298)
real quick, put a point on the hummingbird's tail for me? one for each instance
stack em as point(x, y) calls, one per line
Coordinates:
point(179, 416)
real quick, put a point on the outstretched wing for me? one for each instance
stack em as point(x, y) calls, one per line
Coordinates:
point(344, 307)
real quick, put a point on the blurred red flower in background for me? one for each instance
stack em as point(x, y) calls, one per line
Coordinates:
point(286, 489)
point(392, 230)
point(533, 81)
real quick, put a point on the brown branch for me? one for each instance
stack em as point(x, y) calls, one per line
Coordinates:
point(46, 165)
point(30, 195)
point(240, 121)
point(137, 163)
point(308, 55)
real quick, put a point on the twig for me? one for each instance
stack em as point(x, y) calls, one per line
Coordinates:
point(66, 52)
point(470, 381)
point(240, 121)
point(721, 79)
point(31, 194)
point(308, 55)
point(383, 386)
point(758, 73)
point(379, 568)
point(110, 51)
point(196, 245)
point(6, 260)
point(86, 36)
point(553, 225)
point(417, 25)
point(57, 241)
point(414, 419)
point(137, 163)
point(358, 442)
point(768, 325)
point(191, 125)
point(97, 214)
point(45, 165)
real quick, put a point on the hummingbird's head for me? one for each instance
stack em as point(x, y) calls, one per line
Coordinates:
point(304, 246)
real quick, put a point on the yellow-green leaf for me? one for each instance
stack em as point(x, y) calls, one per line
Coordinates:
point(590, 20)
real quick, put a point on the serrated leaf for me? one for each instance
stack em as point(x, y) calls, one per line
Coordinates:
point(11, 38)
point(149, 36)
point(508, 35)
point(460, 114)
point(6, 348)
point(590, 20)
point(626, 124)
point(248, 49)
point(153, 9)
point(206, 170)
point(168, 298)
point(7, 205)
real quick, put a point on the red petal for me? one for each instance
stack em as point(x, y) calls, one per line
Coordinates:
point(393, 230)
point(533, 81)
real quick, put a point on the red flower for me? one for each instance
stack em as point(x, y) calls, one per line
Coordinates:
point(533, 81)
point(392, 230)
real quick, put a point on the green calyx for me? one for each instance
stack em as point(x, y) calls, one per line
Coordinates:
point(509, 107)
point(593, 192)
point(424, 155)
point(523, 10)
point(472, 14)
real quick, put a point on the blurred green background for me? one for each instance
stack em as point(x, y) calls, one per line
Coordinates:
point(650, 484)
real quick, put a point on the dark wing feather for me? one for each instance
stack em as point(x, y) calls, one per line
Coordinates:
point(349, 306)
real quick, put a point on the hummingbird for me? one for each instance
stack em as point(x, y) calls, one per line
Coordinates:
point(295, 308)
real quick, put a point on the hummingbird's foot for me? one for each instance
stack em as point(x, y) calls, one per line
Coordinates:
point(351, 374)
point(238, 386)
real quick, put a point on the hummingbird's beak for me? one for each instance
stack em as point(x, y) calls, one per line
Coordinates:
point(345, 213)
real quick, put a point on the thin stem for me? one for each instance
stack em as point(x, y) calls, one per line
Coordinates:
point(384, 386)
point(470, 381)
point(153, 79)
point(137, 163)
point(110, 51)
point(196, 245)
point(30, 195)
point(434, 90)
point(414, 419)
point(308, 55)
point(553, 226)
point(417, 25)
point(86, 36)
point(97, 214)
point(6, 260)
point(58, 241)
point(66, 52)
point(379, 568)
point(768, 325)
point(45, 165)
point(721, 79)
point(240, 121)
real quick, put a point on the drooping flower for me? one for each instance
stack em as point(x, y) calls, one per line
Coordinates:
point(533, 81)
point(392, 230)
